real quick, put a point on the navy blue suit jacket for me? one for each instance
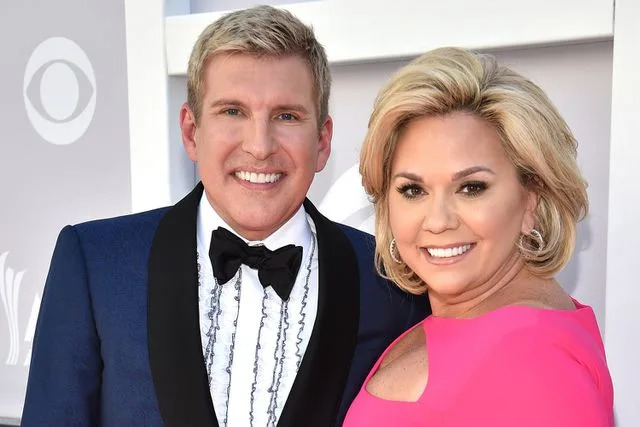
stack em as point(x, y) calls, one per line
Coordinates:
point(118, 338)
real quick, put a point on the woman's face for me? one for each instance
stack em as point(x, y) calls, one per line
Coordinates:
point(456, 205)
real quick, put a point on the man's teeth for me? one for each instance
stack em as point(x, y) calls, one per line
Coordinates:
point(449, 252)
point(258, 178)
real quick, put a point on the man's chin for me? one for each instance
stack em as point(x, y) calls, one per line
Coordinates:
point(257, 227)
point(252, 215)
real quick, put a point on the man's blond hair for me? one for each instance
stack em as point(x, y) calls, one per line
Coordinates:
point(263, 31)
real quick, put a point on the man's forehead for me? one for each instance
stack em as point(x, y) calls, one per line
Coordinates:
point(224, 58)
point(273, 80)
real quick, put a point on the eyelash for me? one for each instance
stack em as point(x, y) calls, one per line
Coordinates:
point(470, 189)
point(479, 187)
point(405, 190)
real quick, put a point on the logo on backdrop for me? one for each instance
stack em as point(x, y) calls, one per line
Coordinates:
point(59, 90)
point(10, 282)
point(348, 203)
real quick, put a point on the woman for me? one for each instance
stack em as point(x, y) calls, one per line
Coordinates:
point(477, 194)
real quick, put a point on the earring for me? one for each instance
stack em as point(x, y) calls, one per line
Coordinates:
point(392, 251)
point(536, 235)
point(533, 235)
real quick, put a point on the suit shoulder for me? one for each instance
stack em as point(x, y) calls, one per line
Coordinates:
point(138, 226)
point(140, 219)
point(356, 236)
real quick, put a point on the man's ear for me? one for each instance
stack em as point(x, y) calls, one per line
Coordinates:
point(188, 130)
point(324, 143)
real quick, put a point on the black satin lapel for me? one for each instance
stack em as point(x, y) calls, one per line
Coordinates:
point(175, 349)
point(318, 388)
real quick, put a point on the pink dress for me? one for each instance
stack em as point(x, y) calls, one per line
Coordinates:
point(516, 366)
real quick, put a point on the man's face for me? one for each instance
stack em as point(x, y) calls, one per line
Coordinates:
point(258, 143)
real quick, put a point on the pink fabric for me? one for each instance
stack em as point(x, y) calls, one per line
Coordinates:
point(516, 366)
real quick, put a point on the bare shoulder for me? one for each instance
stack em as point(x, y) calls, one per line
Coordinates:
point(545, 295)
point(410, 342)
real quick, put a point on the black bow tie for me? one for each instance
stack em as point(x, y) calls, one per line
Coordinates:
point(277, 269)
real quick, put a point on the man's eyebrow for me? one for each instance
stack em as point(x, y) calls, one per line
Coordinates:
point(471, 171)
point(280, 107)
point(292, 107)
point(225, 101)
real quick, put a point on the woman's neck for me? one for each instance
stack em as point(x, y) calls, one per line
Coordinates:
point(509, 285)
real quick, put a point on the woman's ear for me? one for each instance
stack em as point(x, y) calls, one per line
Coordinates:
point(531, 200)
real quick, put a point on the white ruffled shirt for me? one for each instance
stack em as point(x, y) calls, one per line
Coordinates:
point(241, 323)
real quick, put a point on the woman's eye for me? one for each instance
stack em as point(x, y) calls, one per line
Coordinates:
point(410, 191)
point(473, 189)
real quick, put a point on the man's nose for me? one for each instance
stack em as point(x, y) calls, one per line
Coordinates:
point(259, 140)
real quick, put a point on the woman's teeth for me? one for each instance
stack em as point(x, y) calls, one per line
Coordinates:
point(449, 252)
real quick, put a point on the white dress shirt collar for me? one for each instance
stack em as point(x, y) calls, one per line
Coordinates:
point(295, 231)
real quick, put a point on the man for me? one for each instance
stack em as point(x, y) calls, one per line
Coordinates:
point(170, 317)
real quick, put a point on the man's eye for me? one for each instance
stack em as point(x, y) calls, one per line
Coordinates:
point(287, 117)
point(231, 112)
point(473, 189)
point(410, 191)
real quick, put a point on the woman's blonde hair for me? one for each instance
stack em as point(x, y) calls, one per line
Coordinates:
point(534, 136)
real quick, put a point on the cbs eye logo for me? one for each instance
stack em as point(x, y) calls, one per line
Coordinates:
point(59, 90)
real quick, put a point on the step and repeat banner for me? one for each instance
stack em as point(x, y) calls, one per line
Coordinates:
point(64, 152)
